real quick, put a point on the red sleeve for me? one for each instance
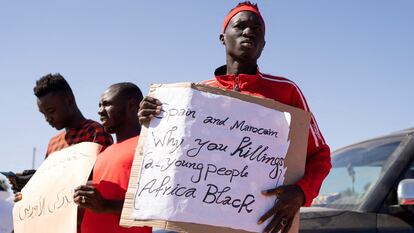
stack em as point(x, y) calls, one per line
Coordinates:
point(318, 158)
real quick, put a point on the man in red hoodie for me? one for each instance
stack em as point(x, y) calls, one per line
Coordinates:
point(243, 36)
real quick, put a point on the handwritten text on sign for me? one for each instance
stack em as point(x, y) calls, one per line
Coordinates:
point(207, 157)
point(47, 205)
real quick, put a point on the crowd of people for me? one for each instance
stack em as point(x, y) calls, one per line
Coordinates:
point(122, 110)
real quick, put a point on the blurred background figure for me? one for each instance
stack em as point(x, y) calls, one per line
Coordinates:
point(6, 205)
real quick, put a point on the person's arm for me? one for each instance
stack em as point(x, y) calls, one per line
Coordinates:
point(317, 166)
point(318, 156)
point(86, 196)
point(19, 180)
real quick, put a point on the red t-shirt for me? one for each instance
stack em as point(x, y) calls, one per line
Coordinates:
point(111, 177)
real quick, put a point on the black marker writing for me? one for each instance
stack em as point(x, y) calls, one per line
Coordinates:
point(216, 196)
point(164, 188)
point(210, 146)
point(44, 206)
point(242, 126)
point(175, 112)
point(168, 140)
point(215, 121)
point(244, 150)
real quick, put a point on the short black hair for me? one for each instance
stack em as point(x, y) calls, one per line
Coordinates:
point(128, 90)
point(51, 83)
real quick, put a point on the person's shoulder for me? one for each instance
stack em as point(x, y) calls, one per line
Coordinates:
point(277, 79)
point(126, 146)
point(280, 81)
point(57, 136)
point(130, 142)
point(91, 124)
point(97, 133)
point(56, 143)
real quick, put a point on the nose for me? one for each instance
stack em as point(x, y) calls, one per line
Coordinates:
point(48, 118)
point(248, 32)
point(100, 110)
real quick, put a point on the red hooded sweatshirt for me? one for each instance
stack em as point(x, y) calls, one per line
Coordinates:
point(318, 160)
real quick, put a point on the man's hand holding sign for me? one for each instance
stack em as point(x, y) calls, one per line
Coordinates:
point(289, 199)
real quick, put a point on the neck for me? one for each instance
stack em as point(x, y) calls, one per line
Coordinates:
point(240, 67)
point(76, 120)
point(128, 131)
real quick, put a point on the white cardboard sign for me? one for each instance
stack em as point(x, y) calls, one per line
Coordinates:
point(47, 205)
point(206, 158)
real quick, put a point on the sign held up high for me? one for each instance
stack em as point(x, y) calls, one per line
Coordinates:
point(201, 164)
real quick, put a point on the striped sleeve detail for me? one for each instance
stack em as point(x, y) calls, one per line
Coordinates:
point(314, 128)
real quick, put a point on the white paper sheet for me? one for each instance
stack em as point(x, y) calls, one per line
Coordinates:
point(207, 157)
point(47, 205)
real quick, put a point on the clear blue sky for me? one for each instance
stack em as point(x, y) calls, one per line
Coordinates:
point(353, 59)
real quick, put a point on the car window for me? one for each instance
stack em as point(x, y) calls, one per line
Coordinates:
point(409, 174)
point(354, 170)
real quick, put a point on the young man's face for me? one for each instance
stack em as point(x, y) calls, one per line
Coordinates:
point(112, 110)
point(56, 108)
point(244, 37)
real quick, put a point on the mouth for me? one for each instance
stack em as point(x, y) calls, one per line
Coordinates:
point(248, 43)
point(56, 125)
point(104, 120)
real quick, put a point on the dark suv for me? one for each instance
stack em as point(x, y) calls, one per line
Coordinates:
point(369, 189)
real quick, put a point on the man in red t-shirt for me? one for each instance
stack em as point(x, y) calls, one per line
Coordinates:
point(243, 36)
point(103, 198)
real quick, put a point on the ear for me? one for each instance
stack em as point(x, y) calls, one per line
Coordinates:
point(132, 109)
point(133, 105)
point(70, 100)
point(221, 38)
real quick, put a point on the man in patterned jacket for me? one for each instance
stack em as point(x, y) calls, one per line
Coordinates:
point(57, 103)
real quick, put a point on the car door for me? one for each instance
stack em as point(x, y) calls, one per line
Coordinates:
point(393, 217)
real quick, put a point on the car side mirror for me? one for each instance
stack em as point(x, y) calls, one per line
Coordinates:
point(405, 192)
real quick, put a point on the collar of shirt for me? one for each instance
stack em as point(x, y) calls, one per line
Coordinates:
point(239, 82)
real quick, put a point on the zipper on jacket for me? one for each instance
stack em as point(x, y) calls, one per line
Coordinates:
point(236, 83)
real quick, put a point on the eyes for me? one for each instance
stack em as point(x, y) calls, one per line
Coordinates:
point(243, 25)
point(104, 104)
point(48, 111)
